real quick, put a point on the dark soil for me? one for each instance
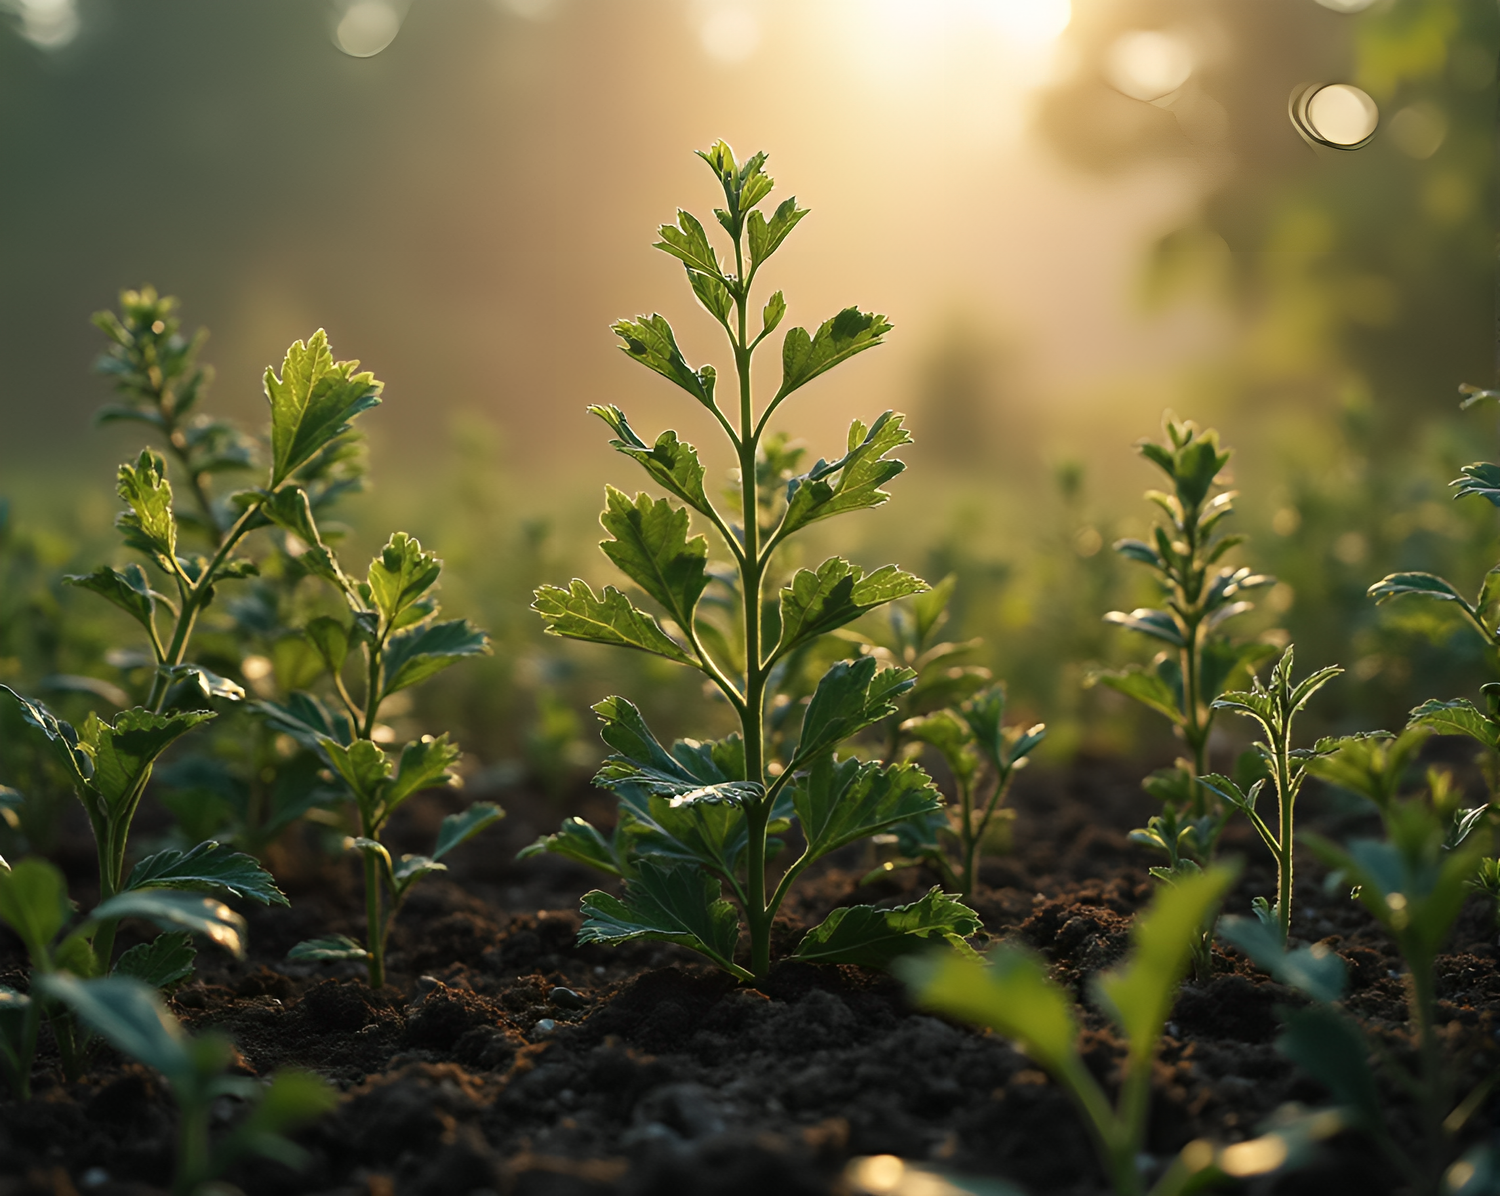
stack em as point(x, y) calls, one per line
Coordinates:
point(502, 1058)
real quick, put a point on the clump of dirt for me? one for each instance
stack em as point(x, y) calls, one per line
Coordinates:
point(503, 1057)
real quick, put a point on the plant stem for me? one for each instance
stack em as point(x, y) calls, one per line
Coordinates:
point(970, 838)
point(1286, 796)
point(374, 928)
point(192, 1144)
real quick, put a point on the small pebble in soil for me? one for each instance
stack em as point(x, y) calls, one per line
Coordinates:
point(598, 969)
point(543, 1028)
point(425, 984)
point(566, 998)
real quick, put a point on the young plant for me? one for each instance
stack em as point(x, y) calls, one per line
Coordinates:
point(132, 1017)
point(1012, 995)
point(1274, 707)
point(700, 817)
point(34, 904)
point(1414, 883)
point(984, 756)
point(393, 639)
point(1201, 660)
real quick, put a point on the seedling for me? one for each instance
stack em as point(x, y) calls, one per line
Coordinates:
point(699, 818)
point(984, 756)
point(1201, 659)
point(1413, 882)
point(392, 640)
point(34, 904)
point(132, 1017)
point(1274, 707)
point(1012, 994)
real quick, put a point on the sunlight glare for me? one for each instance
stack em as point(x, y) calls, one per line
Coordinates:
point(50, 24)
point(367, 27)
point(1148, 64)
point(1028, 22)
point(728, 30)
point(1341, 115)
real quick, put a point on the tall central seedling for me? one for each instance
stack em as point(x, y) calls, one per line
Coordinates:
point(699, 818)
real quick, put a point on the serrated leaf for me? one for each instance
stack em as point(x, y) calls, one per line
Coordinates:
point(130, 1015)
point(576, 613)
point(837, 594)
point(329, 948)
point(123, 752)
point(207, 683)
point(463, 826)
point(34, 903)
point(671, 462)
point(363, 765)
point(425, 763)
point(1138, 994)
point(417, 653)
point(773, 313)
point(210, 866)
point(1147, 687)
point(850, 696)
point(766, 236)
point(652, 548)
point(313, 402)
point(713, 294)
point(1010, 993)
point(1426, 585)
point(649, 340)
point(840, 801)
point(872, 938)
point(212, 919)
point(400, 575)
point(861, 472)
point(581, 841)
point(679, 903)
point(1456, 717)
point(290, 508)
point(1372, 765)
point(804, 357)
point(684, 777)
point(61, 738)
point(126, 588)
point(149, 526)
point(1314, 971)
point(1482, 479)
point(307, 720)
point(164, 962)
point(688, 242)
point(1156, 623)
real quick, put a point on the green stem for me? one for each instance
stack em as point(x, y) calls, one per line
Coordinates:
point(192, 1144)
point(1435, 1086)
point(1286, 796)
point(970, 836)
point(374, 927)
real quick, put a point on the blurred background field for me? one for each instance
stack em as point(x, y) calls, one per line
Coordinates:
point(464, 194)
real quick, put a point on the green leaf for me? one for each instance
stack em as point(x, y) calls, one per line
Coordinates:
point(124, 752)
point(328, 949)
point(773, 313)
point(425, 764)
point(1373, 764)
point(291, 509)
point(1139, 550)
point(649, 340)
point(1010, 993)
point(872, 938)
point(687, 241)
point(1427, 585)
point(679, 904)
point(851, 696)
point(581, 841)
point(61, 737)
point(713, 294)
point(312, 402)
point(149, 526)
point(672, 463)
point(862, 470)
point(682, 776)
point(164, 962)
point(950, 735)
point(1314, 971)
point(130, 1015)
point(1139, 993)
point(127, 588)
point(766, 237)
point(363, 765)
point(212, 919)
point(207, 683)
point(837, 594)
point(34, 903)
point(210, 866)
point(652, 548)
point(293, 1098)
point(331, 640)
point(576, 613)
point(1222, 663)
point(307, 720)
point(463, 826)
point(745, 185)
point(1482, 479)
point(1156, 623)
point(1147, 687)
point(804, 357)
point(1331, 1049)
point(400, 575)
point(1456, 717)
point(417, 653)
point(838, 802)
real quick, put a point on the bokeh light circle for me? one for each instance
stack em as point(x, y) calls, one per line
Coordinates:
point(1338, 115)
